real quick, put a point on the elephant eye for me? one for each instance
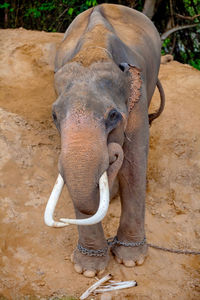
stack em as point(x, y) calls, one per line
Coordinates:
point(124, 67)
point(113, 117)
point(56, 120)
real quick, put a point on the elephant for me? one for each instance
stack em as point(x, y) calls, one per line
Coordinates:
point(106, 71)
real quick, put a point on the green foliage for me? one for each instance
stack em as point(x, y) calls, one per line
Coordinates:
point(183, 44)
point(4, 5)
point(70, 11)
point(52, 15)
point(195, 63)
point(165, 46)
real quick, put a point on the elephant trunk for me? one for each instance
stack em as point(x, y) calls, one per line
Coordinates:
point(85, 158)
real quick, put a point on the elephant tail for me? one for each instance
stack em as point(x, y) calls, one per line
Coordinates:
point(155, 115)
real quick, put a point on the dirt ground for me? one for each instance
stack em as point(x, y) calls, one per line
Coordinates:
point(35, 259)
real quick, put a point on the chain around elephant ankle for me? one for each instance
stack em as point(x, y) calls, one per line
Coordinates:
point(91, 252)
point(115, 241)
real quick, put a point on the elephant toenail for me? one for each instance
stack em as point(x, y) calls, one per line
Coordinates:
point(118, 259)
point(140, 261)
point(89, 273)
point(101, 272)
point(129, 263)
point(72, 257)
point(78, 268)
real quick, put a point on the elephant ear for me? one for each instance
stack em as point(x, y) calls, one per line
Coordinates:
point(135, 84)
point(135, 88)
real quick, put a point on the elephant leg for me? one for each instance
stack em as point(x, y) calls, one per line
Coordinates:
point(132, 178)
point(91, 238)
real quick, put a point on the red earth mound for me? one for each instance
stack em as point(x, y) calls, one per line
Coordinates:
point(35, 259)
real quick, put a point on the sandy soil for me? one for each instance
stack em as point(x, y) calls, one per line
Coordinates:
point(35, 259)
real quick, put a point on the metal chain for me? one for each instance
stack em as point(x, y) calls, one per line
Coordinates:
point(91, 252)
point(174, 250)
point(114, 241)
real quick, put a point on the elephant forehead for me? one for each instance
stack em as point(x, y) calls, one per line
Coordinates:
point(79, 119)
point(80, 131)
point(84, 102)
point(97, 89)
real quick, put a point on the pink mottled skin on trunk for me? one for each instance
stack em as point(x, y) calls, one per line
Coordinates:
point(84, 145)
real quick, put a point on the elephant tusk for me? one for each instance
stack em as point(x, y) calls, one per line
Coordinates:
point(53, 199)
point(103, 205)
point(51, 204)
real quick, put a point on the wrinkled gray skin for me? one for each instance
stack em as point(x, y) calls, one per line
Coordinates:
point(97, 131)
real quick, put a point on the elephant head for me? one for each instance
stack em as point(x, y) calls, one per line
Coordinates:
point(91, 116)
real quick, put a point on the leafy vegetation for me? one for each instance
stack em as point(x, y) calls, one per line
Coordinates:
point(56, 15)
point(52, 15)
point(183, 44)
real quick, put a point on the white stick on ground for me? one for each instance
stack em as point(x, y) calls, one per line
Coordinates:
point(94, 286)
point(116, 286)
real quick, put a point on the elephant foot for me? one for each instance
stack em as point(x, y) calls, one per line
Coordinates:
point(130, 256)
point(89, 266)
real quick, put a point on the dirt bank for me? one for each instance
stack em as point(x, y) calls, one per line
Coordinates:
point(35, 259)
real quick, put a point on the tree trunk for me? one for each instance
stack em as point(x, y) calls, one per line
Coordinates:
point(149, 7)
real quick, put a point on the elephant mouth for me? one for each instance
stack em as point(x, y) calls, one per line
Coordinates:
point(96, 218)
point(106, 181)
point(116, 157)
